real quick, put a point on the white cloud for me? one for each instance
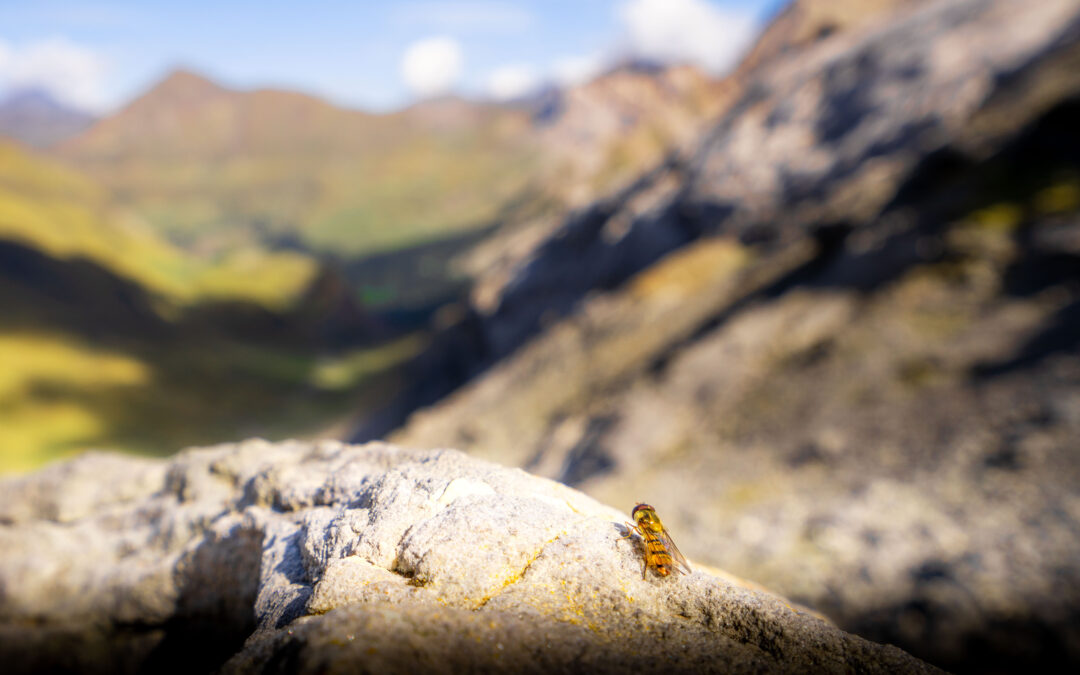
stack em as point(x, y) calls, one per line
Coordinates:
point(466, 16)
point(513, 81)
point(71, 73)
point(691, 31)
point(576, 69)
point(432, 66)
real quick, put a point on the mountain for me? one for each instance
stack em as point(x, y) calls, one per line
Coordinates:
point(34, 117)
point(598, 136)
point(216, 169)
point(835, 339)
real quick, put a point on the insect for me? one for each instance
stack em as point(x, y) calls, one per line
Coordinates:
point(661, 553)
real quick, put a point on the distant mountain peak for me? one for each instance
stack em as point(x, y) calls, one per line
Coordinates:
point(186, 84)
point(34, 116)
point(37, 97)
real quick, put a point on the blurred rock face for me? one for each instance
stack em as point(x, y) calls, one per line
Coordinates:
point(857, 377)
point(321, 558)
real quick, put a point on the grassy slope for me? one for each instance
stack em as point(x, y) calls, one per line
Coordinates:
point(61, 392)
point(223, 171)
point(63, 214)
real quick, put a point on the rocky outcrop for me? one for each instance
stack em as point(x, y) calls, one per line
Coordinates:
point(840, 340)
point(828, 135)
point(600, 135)
point(803, 22)
point(329, 558)
point(819, 137)
point(813, 141)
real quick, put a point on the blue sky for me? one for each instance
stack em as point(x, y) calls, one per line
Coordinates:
point(99, 54)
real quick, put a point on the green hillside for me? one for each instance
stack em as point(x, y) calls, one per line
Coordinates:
point(65, 215)
point(216, 169)
point(115, 338)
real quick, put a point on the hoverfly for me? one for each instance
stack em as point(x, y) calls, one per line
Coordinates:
point(661, 553)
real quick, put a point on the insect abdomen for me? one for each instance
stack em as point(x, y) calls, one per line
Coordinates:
point(658, 554)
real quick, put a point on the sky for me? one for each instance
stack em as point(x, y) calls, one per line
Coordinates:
point(97, 55)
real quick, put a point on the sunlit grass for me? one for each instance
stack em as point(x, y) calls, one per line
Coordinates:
point(39, 417)
point(61, 213)
point(59, 396)
point(1000, 217)
point(346, 371)
point(30, 359)
point(33, 433)
point(1062, 196)
point(274, 280)
point(423, 193)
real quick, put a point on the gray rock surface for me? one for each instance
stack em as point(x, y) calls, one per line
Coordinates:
point(817, 136)
point(333, 558)
point(861, 386)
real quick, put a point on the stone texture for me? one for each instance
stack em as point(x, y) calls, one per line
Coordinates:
point(333, 558)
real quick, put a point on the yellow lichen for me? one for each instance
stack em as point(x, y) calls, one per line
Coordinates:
point(1061, 197)
point(1001, 217)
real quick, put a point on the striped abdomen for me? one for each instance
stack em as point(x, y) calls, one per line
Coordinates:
point(656, 554)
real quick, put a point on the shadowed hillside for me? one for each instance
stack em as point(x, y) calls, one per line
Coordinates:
point(90, 359)
point(112, 336)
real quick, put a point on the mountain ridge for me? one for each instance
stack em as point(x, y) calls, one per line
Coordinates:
point(214, 168)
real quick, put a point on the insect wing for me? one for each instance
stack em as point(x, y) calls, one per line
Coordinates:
point(676, 555)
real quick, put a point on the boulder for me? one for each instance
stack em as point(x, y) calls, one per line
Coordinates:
point(325, 557)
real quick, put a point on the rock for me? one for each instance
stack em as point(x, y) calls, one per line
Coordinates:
point(815, 138)
point(324, 557)
point(899, 455)
point(855, 376)
point(828, 134)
